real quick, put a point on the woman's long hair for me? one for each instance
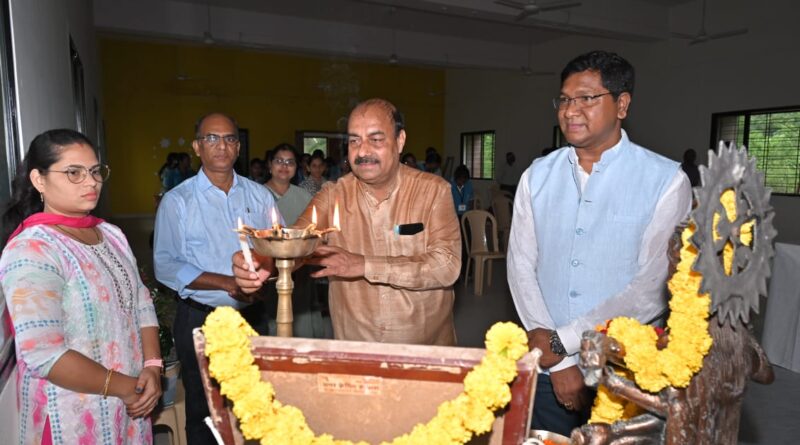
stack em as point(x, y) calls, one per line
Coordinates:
point(44, 151)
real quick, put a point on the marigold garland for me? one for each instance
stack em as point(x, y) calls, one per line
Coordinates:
point(689, 341)
point(261, 417)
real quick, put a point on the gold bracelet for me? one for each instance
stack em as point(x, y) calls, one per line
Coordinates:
point(108, 380)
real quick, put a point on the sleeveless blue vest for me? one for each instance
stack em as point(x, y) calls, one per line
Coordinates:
point(589, 242)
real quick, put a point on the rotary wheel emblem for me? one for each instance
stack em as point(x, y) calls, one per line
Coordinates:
point(734, 292)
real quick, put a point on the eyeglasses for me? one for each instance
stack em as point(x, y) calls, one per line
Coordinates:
point(284, 161)
point(78, 173)
point(562, 102)
point(212, 139)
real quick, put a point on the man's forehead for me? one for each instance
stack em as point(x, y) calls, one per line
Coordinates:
point(373, 116)
point(217, 121)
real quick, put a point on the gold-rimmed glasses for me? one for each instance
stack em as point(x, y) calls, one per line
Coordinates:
point(78, 173)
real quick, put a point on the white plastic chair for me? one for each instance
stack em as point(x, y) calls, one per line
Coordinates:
point(502, 206)
point(478, 248)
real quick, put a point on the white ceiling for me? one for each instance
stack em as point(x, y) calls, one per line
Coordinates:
point(474, 33)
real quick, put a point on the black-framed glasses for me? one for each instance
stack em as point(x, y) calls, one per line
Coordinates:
point(78, 173)
point(212, 139)
point(284, 161)
point(562, 102)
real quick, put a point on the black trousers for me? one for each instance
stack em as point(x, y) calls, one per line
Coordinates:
point(550, 415)
point(186, 319)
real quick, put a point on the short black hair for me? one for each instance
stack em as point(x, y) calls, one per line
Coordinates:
point(617, 74)
point(462, 172)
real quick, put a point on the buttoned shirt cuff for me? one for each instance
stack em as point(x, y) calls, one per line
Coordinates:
point(570, 360)
point(570, 339)
point(376, 269)
point(186, 275)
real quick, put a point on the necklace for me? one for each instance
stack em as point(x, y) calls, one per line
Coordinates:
point(79, 236)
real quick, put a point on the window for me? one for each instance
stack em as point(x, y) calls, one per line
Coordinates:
point(333, 145)
point(477, 153)
point(772, 136)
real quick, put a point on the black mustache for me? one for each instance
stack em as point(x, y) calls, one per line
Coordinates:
point(366, 160)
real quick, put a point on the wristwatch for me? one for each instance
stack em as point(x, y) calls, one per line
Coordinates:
point(555, 344)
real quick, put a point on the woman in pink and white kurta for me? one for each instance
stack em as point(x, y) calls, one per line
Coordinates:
point(83, 320)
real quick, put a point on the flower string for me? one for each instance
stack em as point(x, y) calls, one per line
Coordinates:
point(689, 341)
point(262, 417)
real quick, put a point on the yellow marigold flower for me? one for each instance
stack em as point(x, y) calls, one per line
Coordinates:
point(507, 339)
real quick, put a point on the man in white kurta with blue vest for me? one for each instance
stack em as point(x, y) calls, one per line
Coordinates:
point(590, 231)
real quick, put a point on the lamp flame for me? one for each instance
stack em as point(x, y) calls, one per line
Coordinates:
point(276, 224)
point(314, 215)
point(336, 216)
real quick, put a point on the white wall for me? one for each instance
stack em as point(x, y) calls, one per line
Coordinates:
point(40, 32)
point(678, 88)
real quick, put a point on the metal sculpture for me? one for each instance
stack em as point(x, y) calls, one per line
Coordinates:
point(707, 411)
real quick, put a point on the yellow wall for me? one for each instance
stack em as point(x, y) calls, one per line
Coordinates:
point(272, 95)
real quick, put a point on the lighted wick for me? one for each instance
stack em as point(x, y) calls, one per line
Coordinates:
point(277, 231)
point(335, 227)
point(248, 256)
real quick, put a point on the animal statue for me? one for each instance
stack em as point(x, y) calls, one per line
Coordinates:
point(708, 408)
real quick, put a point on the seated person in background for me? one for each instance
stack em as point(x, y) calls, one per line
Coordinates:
point(258, 172)
point(193, 243)
point(461, 186)
point(168, 174)
point(302, 169)
point(410, 160)
point(393, 265)
point(85, 324)
point(316, 167)
point(433, 164)
point(184, 167)
point(690, 168)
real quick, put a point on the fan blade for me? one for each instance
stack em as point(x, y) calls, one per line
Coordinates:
point(510, 4)
point(725, 34)
point(557, 6)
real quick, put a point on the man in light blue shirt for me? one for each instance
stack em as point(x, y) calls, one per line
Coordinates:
point(589, 236)
point(194, 242)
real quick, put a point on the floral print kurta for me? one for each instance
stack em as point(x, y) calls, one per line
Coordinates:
point(65, 295)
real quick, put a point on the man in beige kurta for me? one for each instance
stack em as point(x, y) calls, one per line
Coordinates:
point(405, 294)
point(393, 265)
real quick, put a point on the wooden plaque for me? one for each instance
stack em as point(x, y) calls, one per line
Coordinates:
point(369, 391)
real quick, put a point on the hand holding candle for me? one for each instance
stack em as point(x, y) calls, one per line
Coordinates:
point(248, 256)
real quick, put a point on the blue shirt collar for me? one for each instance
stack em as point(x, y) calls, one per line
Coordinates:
point(203, 183)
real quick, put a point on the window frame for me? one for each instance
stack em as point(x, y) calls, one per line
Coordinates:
point(747, 114)
point(469, 165)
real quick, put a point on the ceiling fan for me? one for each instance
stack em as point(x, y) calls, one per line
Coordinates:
point(702, 36)
point(530, 7)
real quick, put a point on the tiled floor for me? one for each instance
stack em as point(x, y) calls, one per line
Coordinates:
point(769, 415)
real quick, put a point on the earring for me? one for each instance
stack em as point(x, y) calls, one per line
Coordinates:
point(41, 196)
